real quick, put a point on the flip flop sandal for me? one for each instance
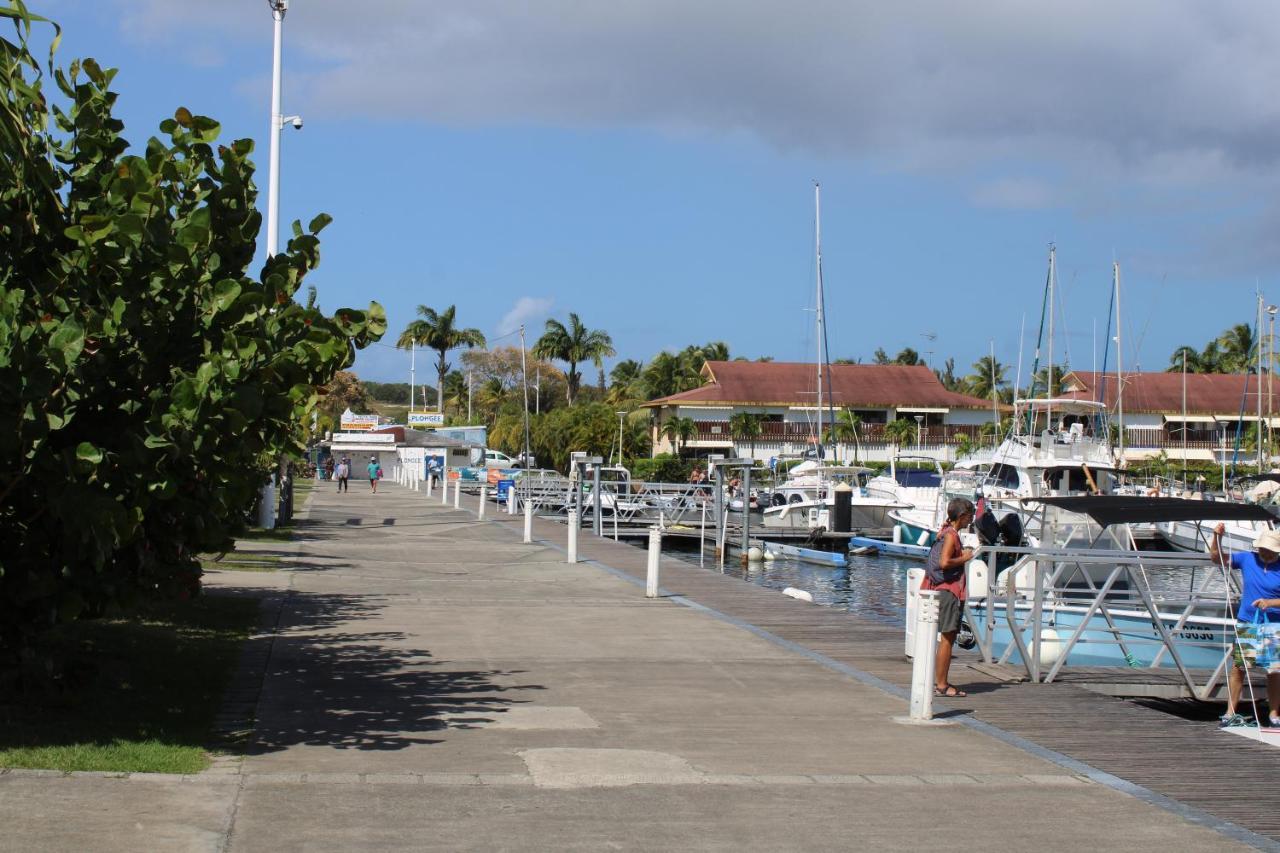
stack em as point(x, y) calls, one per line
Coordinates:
point(950, 692)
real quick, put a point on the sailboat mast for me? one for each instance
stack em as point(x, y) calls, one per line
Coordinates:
point(1048, 388)
point(822, 328)
point(1115, 278)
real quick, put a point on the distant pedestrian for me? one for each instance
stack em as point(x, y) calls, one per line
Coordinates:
point(342, 471)
point(945, 572)
point(328, 468)
point(375, 471)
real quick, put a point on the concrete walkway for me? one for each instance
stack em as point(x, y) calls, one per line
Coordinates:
point(433, 683)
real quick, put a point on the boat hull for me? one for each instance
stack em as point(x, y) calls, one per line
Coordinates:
point(1201, 642)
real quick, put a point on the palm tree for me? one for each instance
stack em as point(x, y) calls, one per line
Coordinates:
point(679, 429)
point(1239, 346)
point(1185, 356)
point(573, 345)
point(1211, 358)
point(747, 425)
point(985, 370)
point(900, 431)
point(845, 430)
point(438, 332)
point(624, 382)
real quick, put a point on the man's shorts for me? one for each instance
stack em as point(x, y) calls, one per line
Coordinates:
point(949, 612)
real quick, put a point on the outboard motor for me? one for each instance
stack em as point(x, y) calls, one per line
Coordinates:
point(1011, 530)
point(987, 528)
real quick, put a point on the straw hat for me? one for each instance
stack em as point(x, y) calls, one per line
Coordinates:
point(1268, 540)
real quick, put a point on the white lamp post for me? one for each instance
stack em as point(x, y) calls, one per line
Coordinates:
point(919, 430)
point(278, 121)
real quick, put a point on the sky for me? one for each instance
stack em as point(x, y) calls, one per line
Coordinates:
point(650, 165)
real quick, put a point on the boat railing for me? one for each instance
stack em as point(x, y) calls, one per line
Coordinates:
point(1099, 589)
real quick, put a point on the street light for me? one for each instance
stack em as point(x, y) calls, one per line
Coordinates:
point(278, 121)
point(620, 415)
point(919, 427)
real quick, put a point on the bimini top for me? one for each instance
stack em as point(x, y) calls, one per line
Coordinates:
point(1258, 478)
point(1125, 509)
point(1064, 404)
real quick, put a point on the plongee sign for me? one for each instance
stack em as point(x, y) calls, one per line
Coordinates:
point(426, 419)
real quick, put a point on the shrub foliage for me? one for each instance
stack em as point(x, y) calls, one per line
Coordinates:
point(147, 381)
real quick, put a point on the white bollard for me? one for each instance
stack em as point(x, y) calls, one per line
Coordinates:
point(926, 653)
point(457, 493)
point(444, 488)
point(573, 537)
point(431, 482)
point(528, 521)
point(655, 554)
point(484, 499)
point(512, 499)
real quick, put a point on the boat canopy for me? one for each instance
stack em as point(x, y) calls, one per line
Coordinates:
point(1254, 478)
point(1062, 404)
point(1124, 509)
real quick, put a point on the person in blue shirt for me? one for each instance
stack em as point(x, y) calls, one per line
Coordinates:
point(1259, 590)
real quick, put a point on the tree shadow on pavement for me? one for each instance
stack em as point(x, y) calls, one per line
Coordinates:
point(368, 690)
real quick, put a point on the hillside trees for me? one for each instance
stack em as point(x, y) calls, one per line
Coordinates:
point(147, 381)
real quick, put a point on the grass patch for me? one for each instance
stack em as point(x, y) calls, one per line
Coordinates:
point(138, 694)
point(259, 534)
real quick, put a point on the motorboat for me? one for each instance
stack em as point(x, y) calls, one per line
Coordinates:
point(807, 499)
point(1095, 604)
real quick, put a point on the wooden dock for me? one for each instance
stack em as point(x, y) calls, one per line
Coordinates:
point(1187, 760)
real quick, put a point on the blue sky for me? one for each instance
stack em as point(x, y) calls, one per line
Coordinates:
point(650, 166)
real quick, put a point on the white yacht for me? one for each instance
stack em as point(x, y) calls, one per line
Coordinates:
point(807, 498)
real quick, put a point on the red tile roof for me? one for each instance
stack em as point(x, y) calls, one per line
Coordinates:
point(1207, 393)
point(756, 383)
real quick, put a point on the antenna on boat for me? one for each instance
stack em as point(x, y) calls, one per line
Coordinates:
point(822, 321)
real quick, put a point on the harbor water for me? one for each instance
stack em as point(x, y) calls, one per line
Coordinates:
point(875, 587)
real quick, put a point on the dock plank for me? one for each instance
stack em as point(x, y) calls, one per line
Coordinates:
point(1187, 760)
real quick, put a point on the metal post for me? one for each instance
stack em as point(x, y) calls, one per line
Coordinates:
point(573, 537)
point(702, 537)
point(746, 510)
point(655, 554)
point(528, 518)
point(512, 498)
point(444, 486)
point(431, 481)
point(457, 493)
point(926, 653)
point(484, 499)
point(595, 493)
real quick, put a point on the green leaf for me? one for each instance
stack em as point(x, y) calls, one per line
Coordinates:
point(86, 452)
point(318, 224)
point(225, 293)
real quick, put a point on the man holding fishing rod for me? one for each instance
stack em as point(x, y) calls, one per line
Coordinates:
point(1259, 605)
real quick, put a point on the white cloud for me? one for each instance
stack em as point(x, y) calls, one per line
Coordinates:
point(1150, 90)
point(526, 309)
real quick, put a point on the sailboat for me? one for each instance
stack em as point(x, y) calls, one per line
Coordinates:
point(807, 498)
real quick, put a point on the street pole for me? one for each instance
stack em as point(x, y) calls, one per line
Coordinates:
point(524, 378)
point(278, 10)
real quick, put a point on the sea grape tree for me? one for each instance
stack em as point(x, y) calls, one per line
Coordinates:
point(148, 381)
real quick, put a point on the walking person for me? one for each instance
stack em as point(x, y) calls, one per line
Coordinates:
point(342, 471)
point(1259, 591)
point(945, 572)
point(375, 472)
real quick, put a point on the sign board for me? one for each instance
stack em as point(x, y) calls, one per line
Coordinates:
point(426, 419)
point(358, 423)
point(364, 438)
